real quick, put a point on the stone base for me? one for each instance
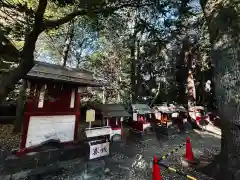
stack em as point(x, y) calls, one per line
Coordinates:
point(187, 163)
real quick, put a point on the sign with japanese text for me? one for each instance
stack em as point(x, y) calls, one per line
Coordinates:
point(90, 115)
point(99, 150)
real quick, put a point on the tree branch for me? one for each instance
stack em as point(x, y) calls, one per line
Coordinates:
point(29, 45)
point(40, 11)
point(48, 24)
point(27, 54)
point(203, 3)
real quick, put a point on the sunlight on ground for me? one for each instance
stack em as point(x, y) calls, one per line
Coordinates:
point(201, 133)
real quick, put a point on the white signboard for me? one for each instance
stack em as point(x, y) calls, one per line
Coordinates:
point(134, 116)
point(99, 150)
point(43, 128)
point(116, 132)
point(99, 131)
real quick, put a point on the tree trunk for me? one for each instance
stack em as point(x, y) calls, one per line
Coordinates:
point(119, 99)
point(69, 38)
point(8, 80)
point(133, 67)
point(25, 57)
point(182, 73)
point(223, 20)
point(191, 90)
point(20, 108)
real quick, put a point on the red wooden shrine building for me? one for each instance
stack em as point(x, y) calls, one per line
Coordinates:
point(53, 104)
point(141, 117)
point(113, 115)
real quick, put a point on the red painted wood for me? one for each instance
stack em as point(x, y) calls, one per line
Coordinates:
point(61, 106)
point(117, 128)
point(76, 126)
point(112, 123)
point(77, 110)
point(121, 128)
point(141, 120)
point(61, 94)
point(49, 113)
point(25, 130)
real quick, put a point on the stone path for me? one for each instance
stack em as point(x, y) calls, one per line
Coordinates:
point(132, 158)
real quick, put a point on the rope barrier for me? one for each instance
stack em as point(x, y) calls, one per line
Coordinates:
point(177, 171)
point(171, 152)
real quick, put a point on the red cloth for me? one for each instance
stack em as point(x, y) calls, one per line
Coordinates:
point(156, 170)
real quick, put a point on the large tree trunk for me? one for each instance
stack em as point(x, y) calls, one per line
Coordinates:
point(8, 80)
point(191, 90)
point(223, 20)
point(25, 57)
point(182, 73)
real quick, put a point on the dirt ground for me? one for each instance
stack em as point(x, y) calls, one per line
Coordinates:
point(8, 141)
point(132, 158)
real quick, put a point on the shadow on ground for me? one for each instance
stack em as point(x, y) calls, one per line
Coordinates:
point(132, 158)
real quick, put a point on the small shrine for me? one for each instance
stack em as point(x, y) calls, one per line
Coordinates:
point(98, 138)
point(141, 117)
point(167, 115)
point(53, 105)
point(113, 115)
point(105, 129)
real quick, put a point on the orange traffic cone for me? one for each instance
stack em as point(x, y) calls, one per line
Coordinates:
point(189, 158)
point(156, 170)
point(189, 153)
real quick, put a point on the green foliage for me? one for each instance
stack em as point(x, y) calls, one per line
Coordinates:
point(102, 42)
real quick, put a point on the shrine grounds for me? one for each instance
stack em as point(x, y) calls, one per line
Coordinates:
point(131, 159)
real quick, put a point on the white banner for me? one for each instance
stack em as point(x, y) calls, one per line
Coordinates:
point(99, 150)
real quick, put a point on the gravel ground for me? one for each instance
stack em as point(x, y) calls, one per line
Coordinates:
point(8, 141)
point(132, 158)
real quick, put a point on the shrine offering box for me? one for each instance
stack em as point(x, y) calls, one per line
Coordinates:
point(98, 141)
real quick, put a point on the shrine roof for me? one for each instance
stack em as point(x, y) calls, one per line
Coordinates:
point(112, 110)
point(142, 108)
point(47, 71)
point(164, 108)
